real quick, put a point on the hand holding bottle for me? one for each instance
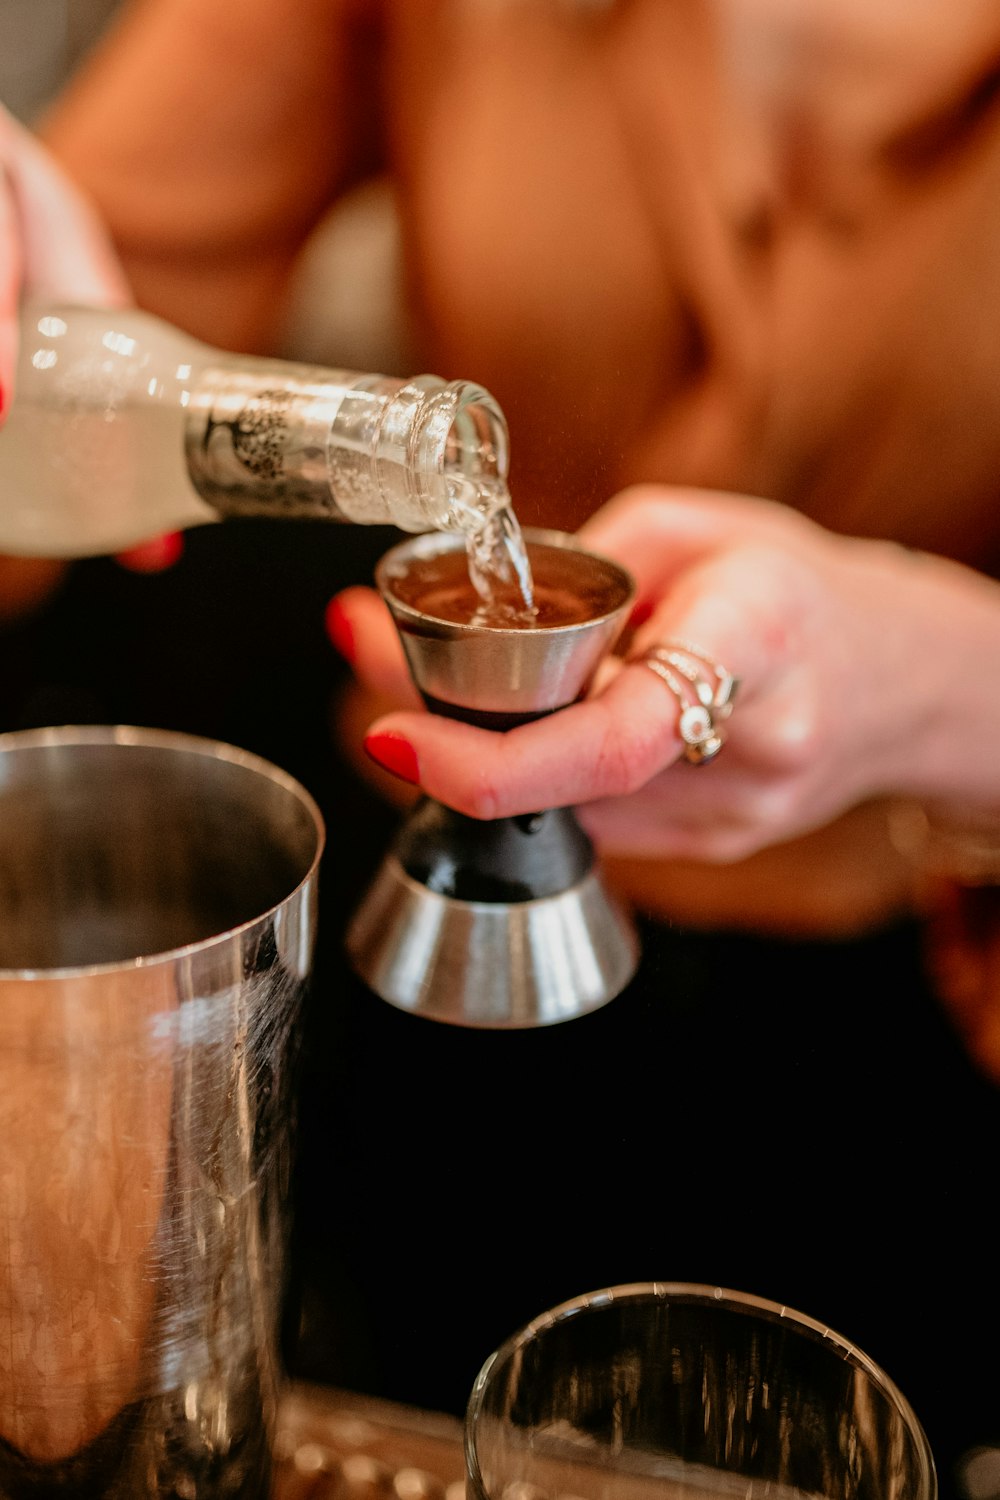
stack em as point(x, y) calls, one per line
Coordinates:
point(52, 244)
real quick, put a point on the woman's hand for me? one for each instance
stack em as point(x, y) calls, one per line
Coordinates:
point(52, 244)
point(862, 667)
point(53, 247)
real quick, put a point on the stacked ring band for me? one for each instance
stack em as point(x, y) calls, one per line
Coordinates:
point(704, 691)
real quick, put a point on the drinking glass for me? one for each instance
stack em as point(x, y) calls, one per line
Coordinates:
point(157, 913)
point(670, 1392)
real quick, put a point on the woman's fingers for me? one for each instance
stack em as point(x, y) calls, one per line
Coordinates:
point(360, 626)
point(658, 531)
point(606, 746)
point(67, 252)
point(742, 591)
point(52, 244)
point(739, 609)
point(603, 747)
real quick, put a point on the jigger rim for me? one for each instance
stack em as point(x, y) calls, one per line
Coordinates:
point(431, 543)
point(705, 1294)
point(130, 735)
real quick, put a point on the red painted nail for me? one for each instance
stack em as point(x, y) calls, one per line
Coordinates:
point(394, 753)
point(338, 628)
point(641, 611)
point(154, 556)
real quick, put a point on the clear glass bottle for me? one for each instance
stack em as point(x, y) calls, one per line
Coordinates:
point(122, 428)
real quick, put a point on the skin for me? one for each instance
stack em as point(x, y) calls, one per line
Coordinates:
point(798, 614)
point(52, 247)
point(670, 264)
point(832, 729)
point(773, 309)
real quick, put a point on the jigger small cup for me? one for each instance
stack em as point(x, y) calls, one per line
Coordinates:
point(500, 675)
point(504, 923)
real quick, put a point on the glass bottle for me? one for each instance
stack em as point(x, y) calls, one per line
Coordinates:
point(123, 428)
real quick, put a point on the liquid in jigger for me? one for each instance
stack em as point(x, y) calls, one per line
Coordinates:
point(568, 588)
point(496, 557)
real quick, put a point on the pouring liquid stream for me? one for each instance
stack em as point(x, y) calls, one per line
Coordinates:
point(498, 563)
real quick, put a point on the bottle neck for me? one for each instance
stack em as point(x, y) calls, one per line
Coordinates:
point(265, 437)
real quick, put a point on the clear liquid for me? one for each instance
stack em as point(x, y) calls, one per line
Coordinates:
point(497, 556)
point(92, 453)
point(113, 409)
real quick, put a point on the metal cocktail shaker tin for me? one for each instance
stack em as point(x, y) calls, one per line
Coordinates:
point(157, 916)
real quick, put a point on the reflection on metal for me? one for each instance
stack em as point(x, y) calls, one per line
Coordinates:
point(158, 901)
point(535, 938)
point(493, 964)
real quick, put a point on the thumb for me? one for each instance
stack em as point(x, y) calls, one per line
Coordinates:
point(53, 245)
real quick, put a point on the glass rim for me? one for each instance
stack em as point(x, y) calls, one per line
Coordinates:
point(129, 736)
point(708, 1295)
point(426, 544)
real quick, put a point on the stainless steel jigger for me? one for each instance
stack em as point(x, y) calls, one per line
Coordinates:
point(506, 923)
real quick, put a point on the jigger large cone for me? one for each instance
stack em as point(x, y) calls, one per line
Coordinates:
point(507, 923)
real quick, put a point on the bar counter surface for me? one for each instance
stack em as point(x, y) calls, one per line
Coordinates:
point(332, 1445)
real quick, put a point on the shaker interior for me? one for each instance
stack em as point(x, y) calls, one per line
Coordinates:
point(113, 851)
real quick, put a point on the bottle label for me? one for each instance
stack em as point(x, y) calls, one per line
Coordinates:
point(255, 449)
point(259, 434)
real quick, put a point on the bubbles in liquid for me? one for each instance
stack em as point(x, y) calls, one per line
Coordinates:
point(497, 558)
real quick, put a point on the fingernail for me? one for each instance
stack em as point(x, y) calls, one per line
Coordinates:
point(154, 556)
point(338, 628)
point(641, 612)
point(394, 753)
